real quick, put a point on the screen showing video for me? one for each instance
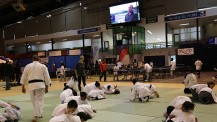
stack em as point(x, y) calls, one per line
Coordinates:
point(124, 13)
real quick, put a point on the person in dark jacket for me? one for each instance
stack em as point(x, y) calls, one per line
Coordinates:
point(8, 72)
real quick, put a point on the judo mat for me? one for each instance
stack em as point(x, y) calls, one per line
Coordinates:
point(117, 108)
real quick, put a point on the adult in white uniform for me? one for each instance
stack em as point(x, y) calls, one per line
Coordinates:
point(140, 92)
point(91, 86)
point(96, 94)
point(207, 95)
point(12, 112)
point(65, 118)
point(198, 64)
point(148, 70)
point(172, 67)
point(37, 77)
point(82, 99)
point(189, 81)
point(62, 72)
point(184, 114)
point(66, 108)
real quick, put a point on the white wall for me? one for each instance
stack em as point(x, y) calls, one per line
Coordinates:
point(157, 29)
point(108, 36)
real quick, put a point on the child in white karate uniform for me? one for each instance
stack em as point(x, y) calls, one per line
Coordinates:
point(195, 89)
point(176, 104)
point(82, 99)
point(96, 94)
point(91, 86)
point(152, 89)
point(86, 109)
point(72, 83)
point(66, 108)
point(110, 89)
point(189, 81)
point(185, 114)
point(65, 118)
point(207, 95)
point(12, 112)
point(140, 92)
point(67, 93)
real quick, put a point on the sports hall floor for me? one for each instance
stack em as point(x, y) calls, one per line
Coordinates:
point(116, 108)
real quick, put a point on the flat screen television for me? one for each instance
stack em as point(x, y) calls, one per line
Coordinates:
point(127, 12)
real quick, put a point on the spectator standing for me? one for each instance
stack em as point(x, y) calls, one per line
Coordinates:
point(103, 68)
point(8, 72)
point(198, 65)
point(172, 67)
point(80, 72)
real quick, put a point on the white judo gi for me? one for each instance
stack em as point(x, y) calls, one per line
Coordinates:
point(209, 90)
point(139, 91)
point(60, 109)
point(178, 101)
point(181, 116)
point(97, 93)
point(190, 80)
point(77, 99)
point(84, 108)
point(106, 91)
point(65, 94)
point(34, 72)
point(152, 89)
point(198, 87)
point(89, 87)
point(65, 118)
point(11, 113)
point(72, 84)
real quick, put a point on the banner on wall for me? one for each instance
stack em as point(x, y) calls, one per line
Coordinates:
point(75, 52)
point(95, 53)
point(186, 51)
point(122, 54)
point(55, 53)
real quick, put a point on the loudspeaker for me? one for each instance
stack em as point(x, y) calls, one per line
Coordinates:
point(19, 7)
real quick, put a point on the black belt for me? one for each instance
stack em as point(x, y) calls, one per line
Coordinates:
point(34, 81)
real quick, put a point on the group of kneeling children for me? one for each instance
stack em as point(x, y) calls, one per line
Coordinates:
point(75, 108)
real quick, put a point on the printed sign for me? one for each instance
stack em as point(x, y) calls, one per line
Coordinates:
point(186, 16)
point(186, 51)
point(151, 19)
point(74, 52)
point(89, 30)
point(55, 53)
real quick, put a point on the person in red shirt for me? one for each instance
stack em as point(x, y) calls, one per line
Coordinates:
point(103, 69)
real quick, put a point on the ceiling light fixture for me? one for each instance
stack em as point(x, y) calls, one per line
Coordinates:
point(49, 16)
point(149, 31)
point(158, 39)
point(19, 22)
point(96, 35)
point(184, 24)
